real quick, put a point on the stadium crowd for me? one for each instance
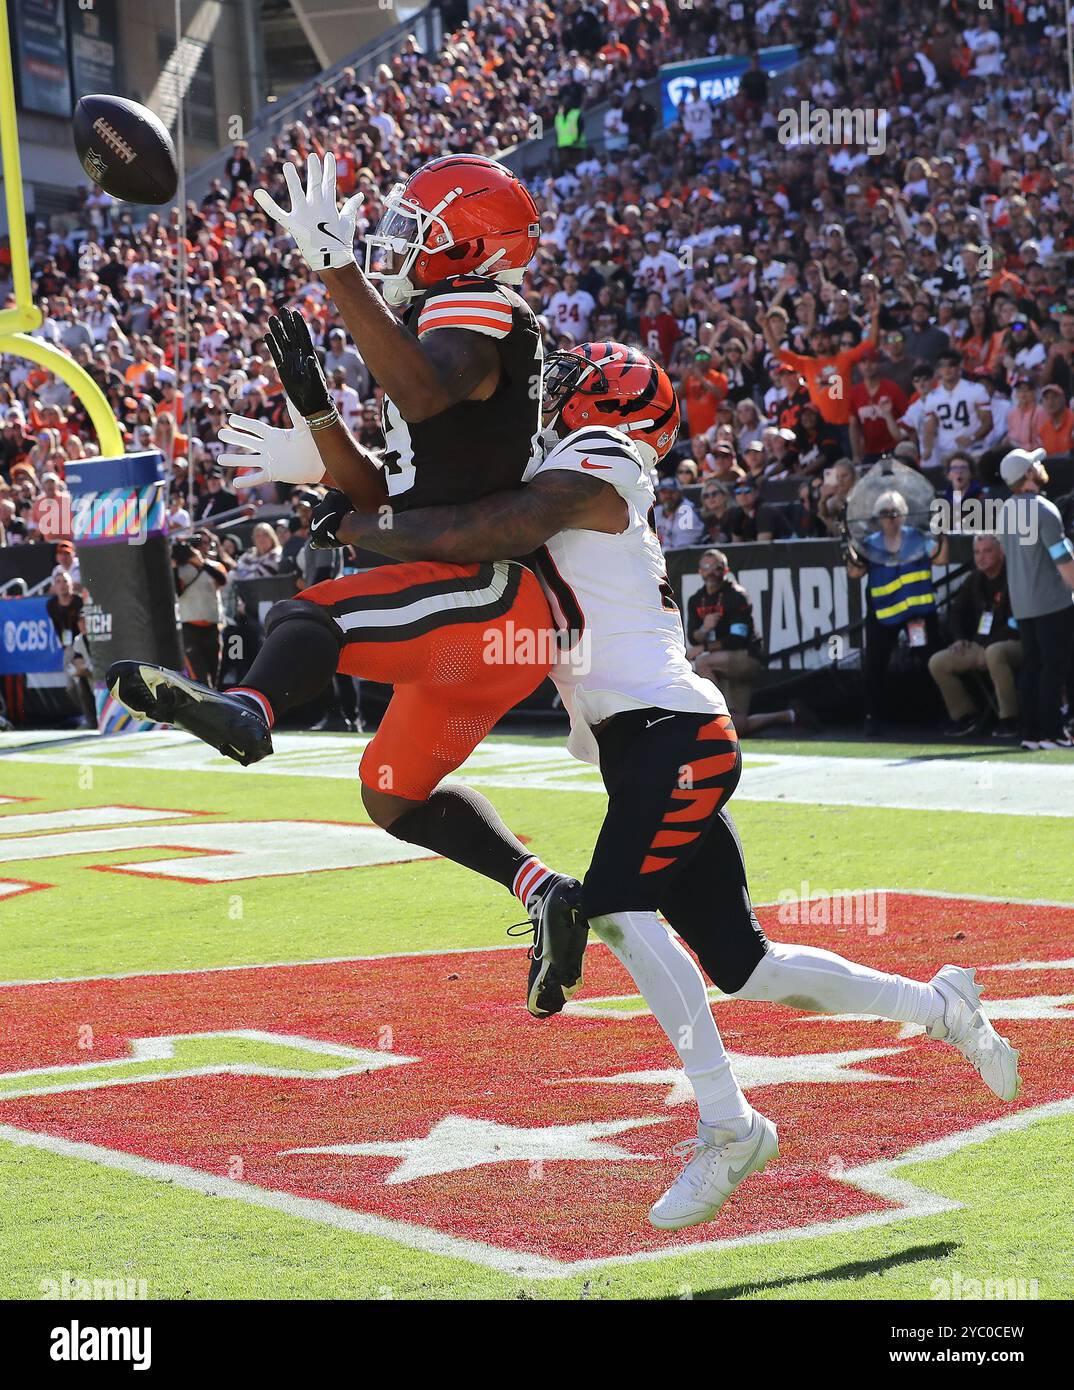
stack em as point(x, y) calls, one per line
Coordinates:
point(817, 307)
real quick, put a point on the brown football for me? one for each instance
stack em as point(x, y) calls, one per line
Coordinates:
point(125, 149)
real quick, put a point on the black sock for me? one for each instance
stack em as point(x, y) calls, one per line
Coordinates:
point(297, 661)
point(461, 824)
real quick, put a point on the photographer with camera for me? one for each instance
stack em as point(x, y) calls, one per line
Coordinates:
point(199, 577)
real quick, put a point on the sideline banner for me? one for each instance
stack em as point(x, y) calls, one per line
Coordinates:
point(717, 78)
point(800, 591)
point(118, 525)
point(28, 641)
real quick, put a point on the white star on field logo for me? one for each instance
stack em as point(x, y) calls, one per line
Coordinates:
point(457, 1142)
point(752, 1071)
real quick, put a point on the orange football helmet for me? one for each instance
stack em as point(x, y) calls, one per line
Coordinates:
point(459, 215)
point(615, 385)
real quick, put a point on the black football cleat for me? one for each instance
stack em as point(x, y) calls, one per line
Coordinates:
point(228, 723)
point(560, 933)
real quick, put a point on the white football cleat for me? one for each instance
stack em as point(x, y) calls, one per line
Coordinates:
point(717, 1166)
point(964, 1026)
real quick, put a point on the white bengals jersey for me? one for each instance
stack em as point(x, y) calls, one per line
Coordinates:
point(611, 593)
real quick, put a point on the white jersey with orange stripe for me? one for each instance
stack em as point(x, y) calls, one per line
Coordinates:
point(622, 644)
point(475, 447)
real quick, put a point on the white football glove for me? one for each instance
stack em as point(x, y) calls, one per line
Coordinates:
point(322, 232)
point(276, 456)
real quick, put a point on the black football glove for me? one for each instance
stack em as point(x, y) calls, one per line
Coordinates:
point(326, 518)
point(289, 342)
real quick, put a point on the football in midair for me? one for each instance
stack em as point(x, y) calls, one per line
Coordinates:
point(125, 149)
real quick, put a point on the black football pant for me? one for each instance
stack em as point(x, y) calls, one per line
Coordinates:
point(668, 843)
point(1046, 648)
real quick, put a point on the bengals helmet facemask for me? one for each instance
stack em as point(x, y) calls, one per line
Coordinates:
point(460, 215)
point(614, 385)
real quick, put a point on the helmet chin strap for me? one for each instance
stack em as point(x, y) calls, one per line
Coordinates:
point(397, 290)
point(489, 261)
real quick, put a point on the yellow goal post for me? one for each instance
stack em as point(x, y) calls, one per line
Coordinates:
point(17, 324)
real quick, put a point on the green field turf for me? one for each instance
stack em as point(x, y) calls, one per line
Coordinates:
point(1015, 1191)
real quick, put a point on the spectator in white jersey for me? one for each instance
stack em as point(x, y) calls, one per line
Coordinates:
point(957, 412)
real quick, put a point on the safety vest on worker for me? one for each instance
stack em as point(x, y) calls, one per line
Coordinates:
point(900, 587)
point(568, 128)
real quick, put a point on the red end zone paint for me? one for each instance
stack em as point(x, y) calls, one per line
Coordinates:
point(483, 1059)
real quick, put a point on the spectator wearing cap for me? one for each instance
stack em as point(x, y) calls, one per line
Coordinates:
point(778, 457)
point(217, 499)
point(752, 519)
point(67, 563)
point(723, 645)
point(1040, 574)
point(1026, 416)
point(1057, 428)
point(784, 402)
point(923, 340)
point(677, 522)
point(910, 426)
point(827, 372)
point(985, 641)
point(724, 466)
point(957, 412)
point(703, 389)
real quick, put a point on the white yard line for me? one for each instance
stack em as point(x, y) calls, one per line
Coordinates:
point(988, 786)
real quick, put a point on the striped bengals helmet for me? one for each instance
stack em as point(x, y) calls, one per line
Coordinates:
point(615, 385)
